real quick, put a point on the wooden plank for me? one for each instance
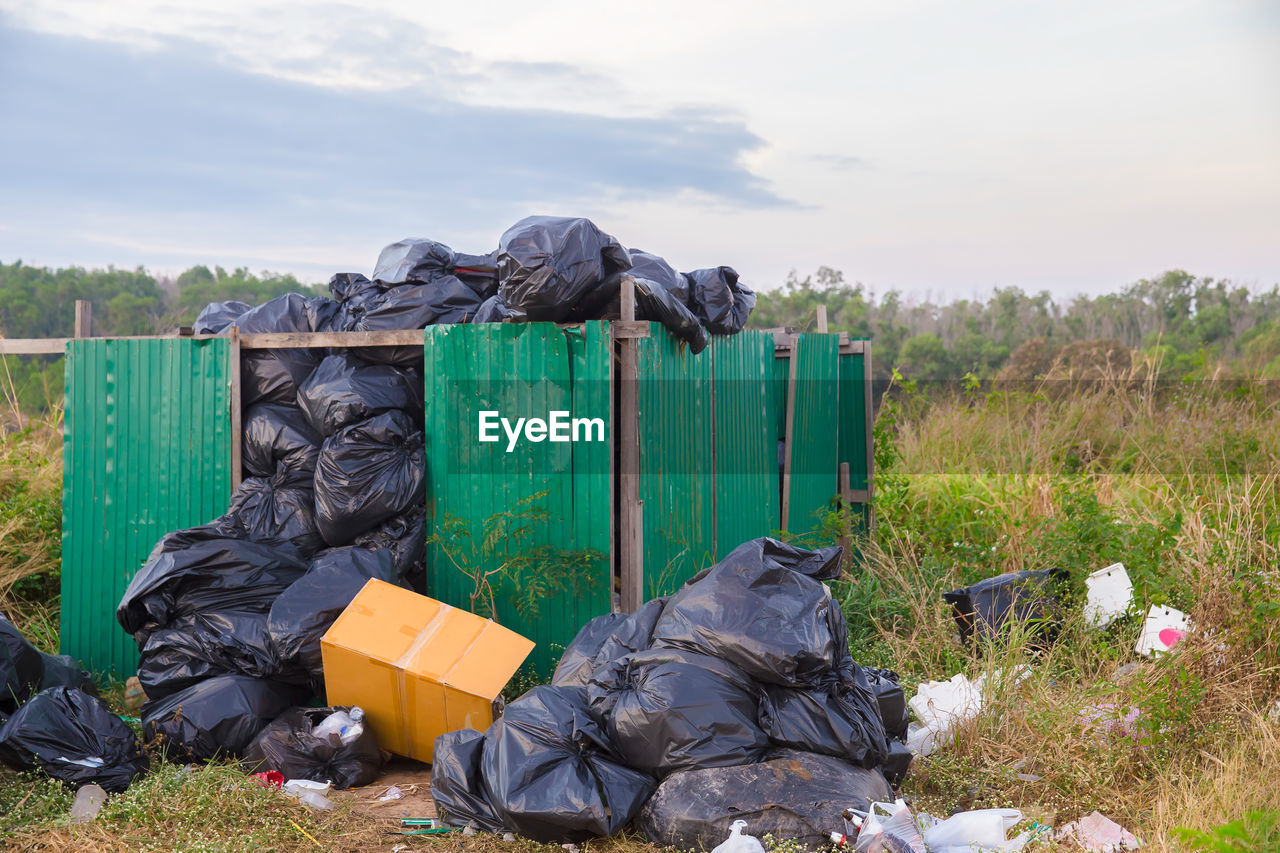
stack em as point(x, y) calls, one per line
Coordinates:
point(848, 347)
point(33, 346)
point(237, 417)
point(822, 319)
point(842, 486)
point(298, 340)
point(630, 508)
point(629, 328)
point(787, 439)
point(871, 451)
point(84, 318)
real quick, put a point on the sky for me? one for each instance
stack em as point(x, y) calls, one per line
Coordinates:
point(942, 149)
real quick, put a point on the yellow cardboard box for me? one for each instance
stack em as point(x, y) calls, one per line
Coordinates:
point(418, 667)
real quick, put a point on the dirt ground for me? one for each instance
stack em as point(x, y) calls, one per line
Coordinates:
point(413, 778)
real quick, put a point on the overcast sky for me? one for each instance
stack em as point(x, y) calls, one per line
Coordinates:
point(941, 148)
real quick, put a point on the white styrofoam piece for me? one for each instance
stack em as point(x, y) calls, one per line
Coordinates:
point(1109, 593)
point(1163, 628)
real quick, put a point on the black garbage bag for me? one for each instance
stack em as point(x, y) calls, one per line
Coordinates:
point(492, 311)
point(63, 671)
point(346, 286)
point(305, 610)
point(607, 638)
point(21, 668)
point(289, 747)
point(839, 719)
point(412, 306)
point(202, 645)
point(478, 272)
point(274, 375)
point(653, 302)
point(666, 710)
point(404, 537)
point(719, 300)
point(216, 317)
point(344, 390)
point(277, 511)
point(73, 737)
point(649, 266)
point(413, 260)
point(456, 784)
point(794, 795)
point(547, 264)
point(218, 717)
point(276, 435)
point(891, 700)
point(762, 609)
point(551, 773)
point(210, 574)
point(984, 608)
point(897, 763)
point(367, 473)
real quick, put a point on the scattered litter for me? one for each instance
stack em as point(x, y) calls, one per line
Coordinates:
point(89, 801)
point(1109, 719)
point(1163, 628)
point(940, 706)
point(1108, 595)
point(1128, 669)
point(392, 793)
point(320, 744)
point(304, 832)
point(889, 827)
point(309, 792)
point(984, 609)
point(980, 831)
point(1098, 834)
point(270, 779)
point(134, 696)
point(508, 836)
point(737, 842)
point(572, 848)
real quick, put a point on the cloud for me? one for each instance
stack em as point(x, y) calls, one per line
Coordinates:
point(844, 162)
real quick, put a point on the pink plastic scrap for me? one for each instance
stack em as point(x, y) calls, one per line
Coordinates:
point(1110, 719)
point(1098, 834)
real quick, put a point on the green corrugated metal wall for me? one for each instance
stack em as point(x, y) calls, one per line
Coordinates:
point(146, 451)
point(854, 417)
point(520, 370)
point(814, 466)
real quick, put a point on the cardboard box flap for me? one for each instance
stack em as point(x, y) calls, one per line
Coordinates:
point(494, 656)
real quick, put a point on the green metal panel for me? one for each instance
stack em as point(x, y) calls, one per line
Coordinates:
point(146, 451)
point(675, 405)
point(855, 419)
point(747, 415)
point(814, 465)
point(519, 370)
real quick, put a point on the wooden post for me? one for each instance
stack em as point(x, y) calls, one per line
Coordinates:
point(237, 418)
point(84, 319)
point(789, 433)
point(822, 319)
point(630, 508)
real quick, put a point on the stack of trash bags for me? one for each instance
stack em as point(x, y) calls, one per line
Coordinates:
point(735, 697)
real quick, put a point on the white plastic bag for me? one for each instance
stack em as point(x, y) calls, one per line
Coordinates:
point(888, 820)
point(737, 842)
point(939, 706)
point(982, 830)
point(346, 726)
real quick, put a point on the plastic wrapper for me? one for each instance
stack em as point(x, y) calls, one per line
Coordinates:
point(290, 746)
point(278, 435)
point(456, 783)
point(607, 638)
point(404, 537)
point(302, 613)
point(551, 774)
point(793, 795)
point(201, 645)
point(413, 260)
point(278, 511)
point(492, 311)
point(891, 699)
point(216, 317)
point(368, 472)
point(344, 390)
point(763, 609)
point(274, 375)
point(667, 710)
point(74, 737)
point(841, 720)
point(211, 574)
point(985, 608)
point(21, 667)
point(218, 717)
point(548, 264)
point(719, 300)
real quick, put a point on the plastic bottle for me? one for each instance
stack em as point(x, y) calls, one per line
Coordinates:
point(347, 726)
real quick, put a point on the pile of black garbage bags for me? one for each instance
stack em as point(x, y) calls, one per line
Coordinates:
point(736, 697)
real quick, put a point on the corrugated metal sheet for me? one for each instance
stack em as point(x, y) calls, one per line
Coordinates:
point(746, 419)
point(146, 451)
point(852, 446)
point(676, 461)
point(519, 370)
point(814, 466)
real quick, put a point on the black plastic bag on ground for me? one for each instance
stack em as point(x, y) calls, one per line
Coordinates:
point(289, 747)
point(63, 671)
point(841, 719)
point(216, 317)
point(793, 795)
point(404, 537)
point(891, 699)
point(277, 511)
point(73, 737)
point(368, 472)
point(206, 575)
point(302, 613)
point(551, 774)
point(607, 638)
point(456, 784)
point(897, 763)
point(344, 390)
point(667, 710)
point(548, 264)
point(492, 311)
point(21, 668)
point(719, 300)
point(202, 645)
point(217, 718)
point(274, 375)
point(413, 260)
point(763, 609)
point(986, 607)
point(276, 435)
